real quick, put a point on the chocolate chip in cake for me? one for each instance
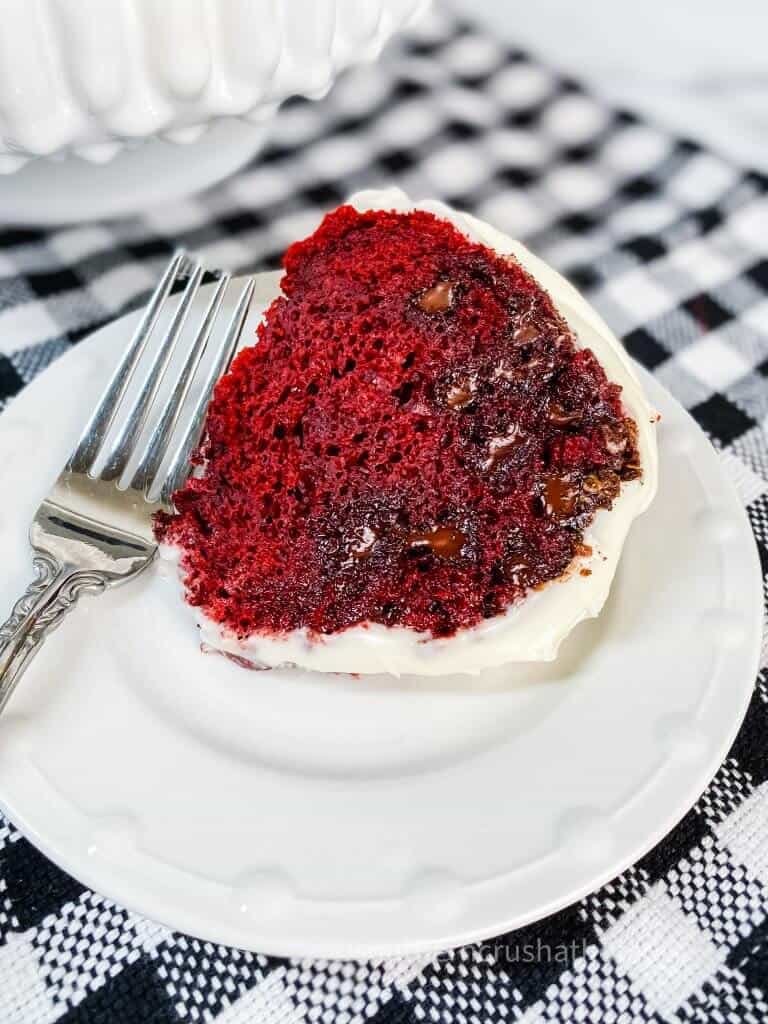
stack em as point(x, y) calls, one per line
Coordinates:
point(499, 448)
point(561, 496)
point(460, 395)
point(438, 298)
point(446, 541)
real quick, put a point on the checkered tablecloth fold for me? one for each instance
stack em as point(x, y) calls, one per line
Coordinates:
point(670, 242)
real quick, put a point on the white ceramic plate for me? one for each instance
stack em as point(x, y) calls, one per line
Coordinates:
point(330, 816)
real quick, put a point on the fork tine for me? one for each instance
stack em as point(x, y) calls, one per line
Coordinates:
point(179, 466)
point(158, 443)
point(86, 450)
point(123, 445)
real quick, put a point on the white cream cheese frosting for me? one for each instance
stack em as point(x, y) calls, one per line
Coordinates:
point(534, 628)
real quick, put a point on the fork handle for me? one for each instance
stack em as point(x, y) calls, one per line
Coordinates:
point(37, 613)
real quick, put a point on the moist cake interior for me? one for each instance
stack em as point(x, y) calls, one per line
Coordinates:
point(414, 440)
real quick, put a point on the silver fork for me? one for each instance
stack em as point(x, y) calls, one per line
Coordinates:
point(94, 529)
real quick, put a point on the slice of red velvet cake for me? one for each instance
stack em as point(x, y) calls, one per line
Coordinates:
point(417, 444)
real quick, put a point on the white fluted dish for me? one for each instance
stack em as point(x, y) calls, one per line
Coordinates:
point(84, 80)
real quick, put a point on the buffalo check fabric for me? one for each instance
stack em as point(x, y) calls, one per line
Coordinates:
point(671, 244)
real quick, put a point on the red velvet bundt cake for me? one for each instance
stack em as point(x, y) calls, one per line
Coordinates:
point(416, 441)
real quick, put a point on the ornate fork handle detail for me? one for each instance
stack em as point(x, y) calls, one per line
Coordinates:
point(38, 612)
point(94, 529)
point(46, 569)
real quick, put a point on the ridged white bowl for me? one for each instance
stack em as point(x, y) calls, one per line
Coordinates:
point(86, 76)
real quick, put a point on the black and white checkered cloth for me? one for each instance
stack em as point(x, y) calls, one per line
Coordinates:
point(671, 244)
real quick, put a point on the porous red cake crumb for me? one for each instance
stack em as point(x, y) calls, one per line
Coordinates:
point(415, 440)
